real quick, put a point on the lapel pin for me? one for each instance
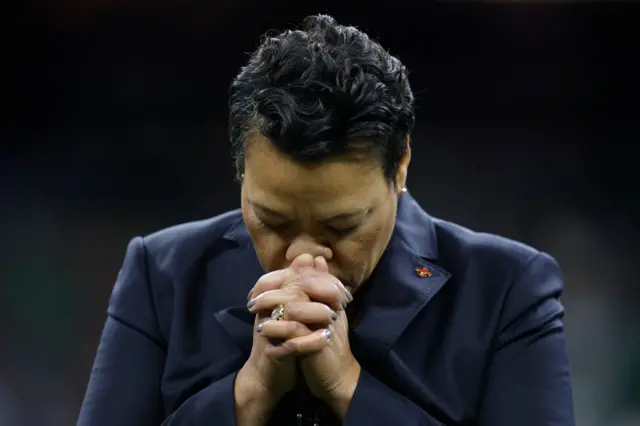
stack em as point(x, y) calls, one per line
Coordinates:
point(423, 271)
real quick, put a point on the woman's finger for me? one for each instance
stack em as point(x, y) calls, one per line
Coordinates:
point(322, 288)
point(270, 281)
point(276, 279)
point(310, 313)
point(310, 343)
point(282, 330)
point(321, 265)
point(267, 301)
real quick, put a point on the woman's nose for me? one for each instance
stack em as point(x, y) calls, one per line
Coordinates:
point(305, 244)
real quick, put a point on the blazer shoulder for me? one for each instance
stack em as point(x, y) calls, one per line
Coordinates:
point(491, 244)
point(482, 243)
point(501, 259)
point(181, 246)
point(508, 275)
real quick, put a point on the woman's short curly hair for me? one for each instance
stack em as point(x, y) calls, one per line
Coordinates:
point(322, 92)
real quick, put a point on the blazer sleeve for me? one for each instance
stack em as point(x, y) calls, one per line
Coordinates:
point(374, 403)
point(125, 384)
point(527, 382)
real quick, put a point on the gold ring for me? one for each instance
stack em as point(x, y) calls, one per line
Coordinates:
point(278, 313)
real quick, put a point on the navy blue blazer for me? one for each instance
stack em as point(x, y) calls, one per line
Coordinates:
point(476, 338)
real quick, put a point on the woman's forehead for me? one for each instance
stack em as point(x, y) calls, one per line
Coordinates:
point(270, 172)
point(325, 202)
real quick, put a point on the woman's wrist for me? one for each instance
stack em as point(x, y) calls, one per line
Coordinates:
point(253, 402)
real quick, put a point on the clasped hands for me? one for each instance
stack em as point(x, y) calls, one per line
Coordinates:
point(314, 329)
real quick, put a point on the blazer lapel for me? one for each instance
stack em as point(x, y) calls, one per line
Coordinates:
point(238, 323)
point(242, 264)
point(404, 282)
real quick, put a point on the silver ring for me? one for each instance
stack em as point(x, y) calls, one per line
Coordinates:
point(278, 313)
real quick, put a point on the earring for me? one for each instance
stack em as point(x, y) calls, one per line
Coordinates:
point(404, 189)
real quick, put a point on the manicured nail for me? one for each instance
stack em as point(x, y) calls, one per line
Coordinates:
point(259, 328)
point(349, 296)
point(251, 303)
point(344, 304)
point(327, 334)
point(334, 315)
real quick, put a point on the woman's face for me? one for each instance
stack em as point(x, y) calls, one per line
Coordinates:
point(342, 210)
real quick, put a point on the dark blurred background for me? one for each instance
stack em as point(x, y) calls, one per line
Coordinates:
point(115, 126)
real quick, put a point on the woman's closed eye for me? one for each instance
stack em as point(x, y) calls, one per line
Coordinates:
point(344, 231)
point(277, 227)
point(285, 226)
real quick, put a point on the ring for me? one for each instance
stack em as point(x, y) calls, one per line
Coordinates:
point(278, 313)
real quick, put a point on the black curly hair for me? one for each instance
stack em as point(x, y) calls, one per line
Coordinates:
point(321, 92)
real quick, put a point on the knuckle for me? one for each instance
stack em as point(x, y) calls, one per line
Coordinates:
point(291, 277)
point(291, 346)
point(325, 283)
point(292, 310)
point(291, 328)
point(299, 293)
point(317, 282)
point(300, 329)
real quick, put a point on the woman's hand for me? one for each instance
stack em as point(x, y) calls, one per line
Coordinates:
point(315, 325)
point(271, 371)
point(267, 376)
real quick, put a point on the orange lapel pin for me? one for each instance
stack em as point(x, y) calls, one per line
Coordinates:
point(423, 271)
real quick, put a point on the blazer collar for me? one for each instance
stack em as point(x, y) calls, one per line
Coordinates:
point(404, 281)
point(415, 228)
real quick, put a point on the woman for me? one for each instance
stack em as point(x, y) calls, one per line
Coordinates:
point(331, 297)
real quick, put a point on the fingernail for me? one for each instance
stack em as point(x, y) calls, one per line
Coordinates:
point(259, 328)
point(334, 316)
point(344, 304)
point(251, 303)
point(349, 296)
point(327, 334)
